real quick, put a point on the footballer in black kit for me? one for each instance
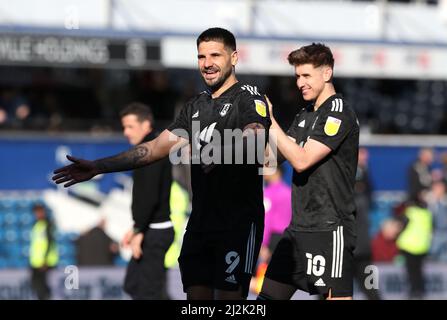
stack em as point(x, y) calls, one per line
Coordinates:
point(322, 230)
point(223, 237)
point(315, 253)
point(225, 228)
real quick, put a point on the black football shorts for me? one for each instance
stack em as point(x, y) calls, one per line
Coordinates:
point(220, 260)
point(315, 261)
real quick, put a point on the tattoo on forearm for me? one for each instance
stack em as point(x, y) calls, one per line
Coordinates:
point(131, 159)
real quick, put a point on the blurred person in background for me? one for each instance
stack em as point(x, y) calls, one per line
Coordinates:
point(179, 204)
point(14, 108)
point(443, 158)
point(152, 233)
point(362, 252)
point(414, 242)
point(43, 253)
point(384, 248)
point(225, 228)
point(95, 247)
point(419, 174)
point(315, 253)
point(278, 212)
point(437, 204)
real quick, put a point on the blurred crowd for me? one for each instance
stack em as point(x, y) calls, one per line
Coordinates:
point(416, 230)
point(89, 100)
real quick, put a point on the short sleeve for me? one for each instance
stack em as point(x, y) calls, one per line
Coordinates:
point(291, 132)
point(181, 126)
point(253, 109)
point(333, 124)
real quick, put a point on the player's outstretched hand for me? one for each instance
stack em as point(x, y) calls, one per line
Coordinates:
point(80, 170)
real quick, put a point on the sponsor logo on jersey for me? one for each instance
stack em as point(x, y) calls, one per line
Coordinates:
point(332, 126)
point(302, 123)
point(319, 283)
point(225, 109)
point(205, 135)
point(261, 108)
point(195, 115)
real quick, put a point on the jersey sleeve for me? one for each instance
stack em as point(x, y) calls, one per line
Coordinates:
point(181, 126)
point(291, 132)
point(253, 109)
point(333, 125)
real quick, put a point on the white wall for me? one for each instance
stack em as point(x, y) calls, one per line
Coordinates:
point(296, 19)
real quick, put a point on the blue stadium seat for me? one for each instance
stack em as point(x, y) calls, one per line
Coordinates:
point(11, 235)
point(10, 218)
point(26, 219)
point(25, 251)
point(23, 205)
point(25, 234)
point(6, 205)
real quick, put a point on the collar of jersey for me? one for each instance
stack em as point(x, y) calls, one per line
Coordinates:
point(225, 93)
point(328, 101)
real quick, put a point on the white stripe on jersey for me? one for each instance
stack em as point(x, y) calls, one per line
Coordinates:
point(341, 105)
point(337, 105)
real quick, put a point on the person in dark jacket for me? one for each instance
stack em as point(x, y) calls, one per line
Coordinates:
point(419, 175)
point(153, 232)
point(95, 247)
point(362, 252)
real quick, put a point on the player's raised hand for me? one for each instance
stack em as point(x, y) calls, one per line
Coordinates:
point(80, 170)
point(270, 105)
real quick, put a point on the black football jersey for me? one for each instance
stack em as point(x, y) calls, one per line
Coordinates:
point(229, 196)
point(323, 195)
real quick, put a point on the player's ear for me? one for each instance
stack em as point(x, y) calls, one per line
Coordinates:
point(147, 125)
point(327, 74)
point(234, 58)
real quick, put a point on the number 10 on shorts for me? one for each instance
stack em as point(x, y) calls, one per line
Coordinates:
point(315, 264)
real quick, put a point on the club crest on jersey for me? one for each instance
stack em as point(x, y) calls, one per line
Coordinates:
point(261, 108)
point(225, 109)
point(332, 126)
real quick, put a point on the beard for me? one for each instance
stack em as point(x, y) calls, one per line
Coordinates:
point(215, 84)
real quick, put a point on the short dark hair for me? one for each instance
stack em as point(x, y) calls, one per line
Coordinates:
point(38, 206)
point(142, 111)
point(316, 54)
point(218, 34)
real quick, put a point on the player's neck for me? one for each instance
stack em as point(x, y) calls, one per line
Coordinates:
point(328, 91)
point(227, 84)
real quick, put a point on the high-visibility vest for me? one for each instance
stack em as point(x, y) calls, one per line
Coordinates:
point(178, 202)
point(416, 237)
point(39, 244)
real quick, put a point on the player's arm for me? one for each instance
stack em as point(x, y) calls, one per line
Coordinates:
point(300, 158)
point(273, 156)
point(141, 155)
point(253, 137)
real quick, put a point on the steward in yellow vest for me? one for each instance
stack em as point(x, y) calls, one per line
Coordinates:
point(43, 253)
